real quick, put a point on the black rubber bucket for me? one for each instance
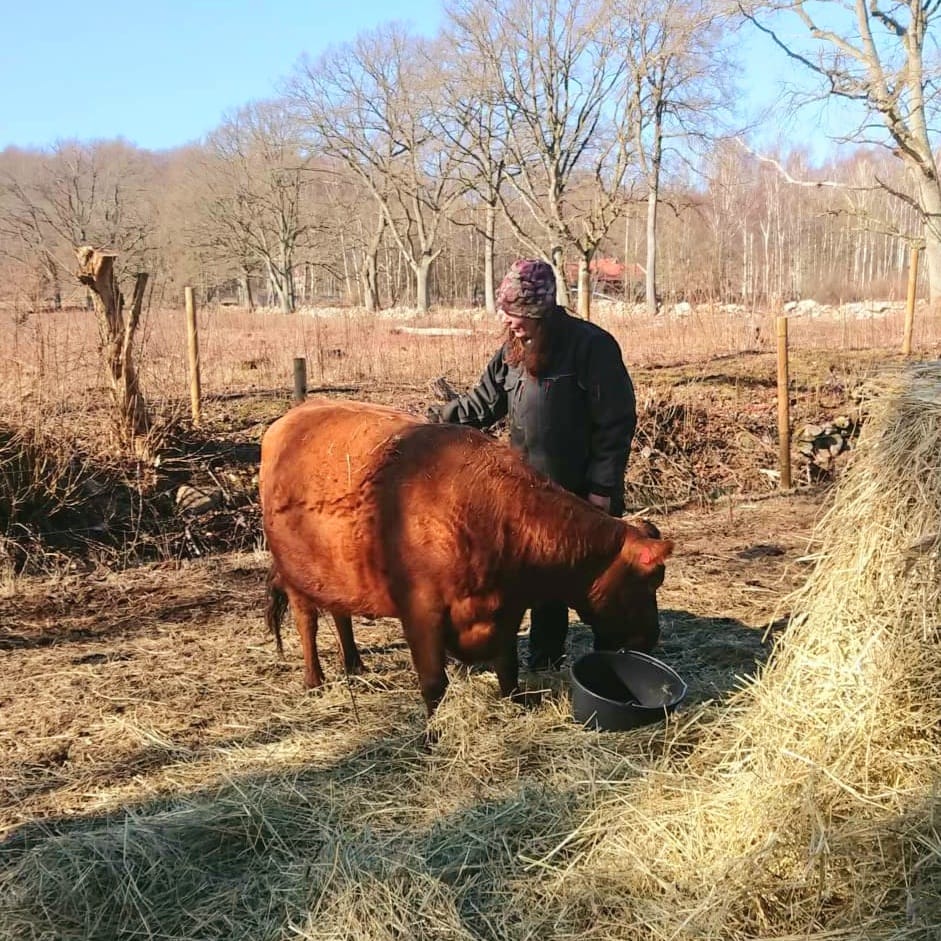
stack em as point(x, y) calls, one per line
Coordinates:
point(624, 689)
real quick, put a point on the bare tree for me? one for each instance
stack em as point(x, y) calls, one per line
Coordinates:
point(350, 232)
point(253, 193)
point(873, 54)
point(100, 192)
point(26, 233)
point(474, 121)
point(210, 242)
point(558, 79)
point(370, 105)
point(678, 72)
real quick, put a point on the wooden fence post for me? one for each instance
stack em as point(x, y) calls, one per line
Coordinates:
point(192, 348)
point(300, 379)
point(910, 302)
point(784, 408)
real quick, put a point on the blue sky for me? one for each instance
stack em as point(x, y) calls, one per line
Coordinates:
point(163, 74)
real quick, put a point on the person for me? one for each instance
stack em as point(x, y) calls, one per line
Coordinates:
point(569, 401)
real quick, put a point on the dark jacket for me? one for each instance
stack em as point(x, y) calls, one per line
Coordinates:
point(576, 423)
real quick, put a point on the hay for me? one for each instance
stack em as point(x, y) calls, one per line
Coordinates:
point(806, 807)
point(810, 807)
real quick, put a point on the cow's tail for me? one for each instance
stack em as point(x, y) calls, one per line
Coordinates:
point(276, 603)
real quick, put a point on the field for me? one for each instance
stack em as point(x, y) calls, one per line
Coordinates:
point(165, 775)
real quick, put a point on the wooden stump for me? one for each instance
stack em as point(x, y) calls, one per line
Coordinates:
point(96, 271)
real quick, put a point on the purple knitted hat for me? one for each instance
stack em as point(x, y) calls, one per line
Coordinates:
point(528, 290)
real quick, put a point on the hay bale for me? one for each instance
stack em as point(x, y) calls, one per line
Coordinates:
point(809, 808)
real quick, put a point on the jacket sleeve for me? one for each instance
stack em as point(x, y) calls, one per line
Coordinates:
point(612, 413)
point(486, 403)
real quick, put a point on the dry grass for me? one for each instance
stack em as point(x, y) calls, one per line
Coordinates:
point(805, 807)
point(54, 366)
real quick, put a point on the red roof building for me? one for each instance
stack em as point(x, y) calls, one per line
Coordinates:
point(607, 272)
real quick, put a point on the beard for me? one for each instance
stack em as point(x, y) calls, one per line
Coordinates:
point(534, 353)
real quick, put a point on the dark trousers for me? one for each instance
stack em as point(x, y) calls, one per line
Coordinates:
point(549, 623)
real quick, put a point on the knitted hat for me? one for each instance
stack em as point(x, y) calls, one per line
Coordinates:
point(528, 290)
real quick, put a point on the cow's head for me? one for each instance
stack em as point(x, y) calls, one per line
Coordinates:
point(622, 604)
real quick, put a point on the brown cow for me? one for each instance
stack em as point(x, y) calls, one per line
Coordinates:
point(370, 511)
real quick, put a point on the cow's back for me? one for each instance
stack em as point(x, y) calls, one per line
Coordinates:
point(364, 504)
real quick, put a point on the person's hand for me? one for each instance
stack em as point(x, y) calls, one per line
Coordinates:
point(603, 503)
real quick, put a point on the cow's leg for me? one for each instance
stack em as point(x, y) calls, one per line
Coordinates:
point(351, 659)
point(305, 620)
point(508, 667)
point(507, 662)
point(425, 636)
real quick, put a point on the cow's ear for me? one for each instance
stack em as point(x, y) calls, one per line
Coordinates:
point(647, 554)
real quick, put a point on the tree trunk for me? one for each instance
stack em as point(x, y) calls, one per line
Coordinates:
point(561, 285)
point(490, 241)
point(52, 275)
point(422, 270)
point(307, 286)
point(650, 287)
point(347, 279)
point(246, 284)
point(628, 265)
point(371, 281)
point(290, 288)
point(96, 271)
point(584, 287)
point(370, 273)
point(929, 190)
point(281, 287)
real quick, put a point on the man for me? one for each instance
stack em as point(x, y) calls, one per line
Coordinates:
point(562, 384)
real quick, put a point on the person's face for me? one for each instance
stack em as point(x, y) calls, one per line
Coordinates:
point(522, 328)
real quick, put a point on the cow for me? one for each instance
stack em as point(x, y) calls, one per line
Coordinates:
point(368, 510)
